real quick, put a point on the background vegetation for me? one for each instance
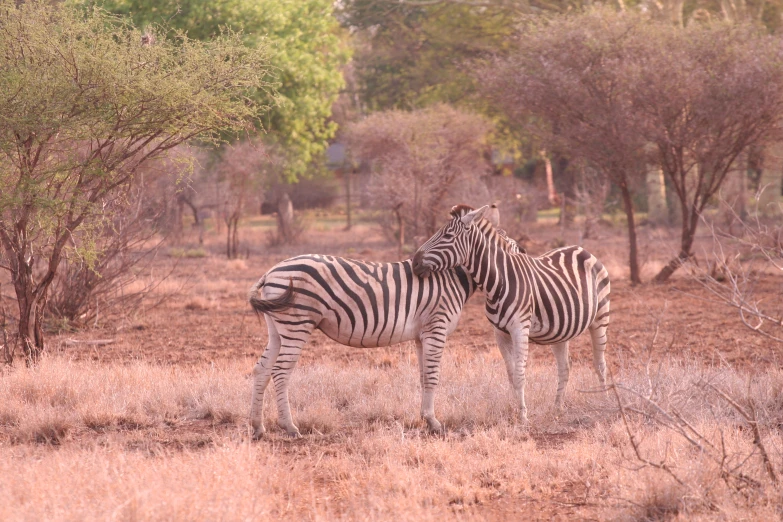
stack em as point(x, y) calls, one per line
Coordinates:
point(157, 157)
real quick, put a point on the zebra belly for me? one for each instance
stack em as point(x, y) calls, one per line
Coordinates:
point(542, 331)
point(368, 339)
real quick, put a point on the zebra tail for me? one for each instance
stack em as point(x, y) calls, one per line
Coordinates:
point(280, 303)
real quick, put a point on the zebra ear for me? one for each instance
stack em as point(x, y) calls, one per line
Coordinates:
point(473, 215)
point(493, 216)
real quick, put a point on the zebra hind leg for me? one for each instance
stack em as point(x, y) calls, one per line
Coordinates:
point(598, 338)
point(563, 369)
point(293, 340)
point(262, 372)
point(430, 352)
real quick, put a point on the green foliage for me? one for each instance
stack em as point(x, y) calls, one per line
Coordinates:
point(414, 55)
point(307, 49)
point(84, 103)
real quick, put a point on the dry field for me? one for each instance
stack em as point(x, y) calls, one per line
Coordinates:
point(153, 426)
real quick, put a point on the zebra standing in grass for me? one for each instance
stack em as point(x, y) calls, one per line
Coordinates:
point(548, 299)
point(360, 304)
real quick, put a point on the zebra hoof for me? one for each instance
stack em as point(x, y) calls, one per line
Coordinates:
point(293, 434)
point(259, 433)
point(435, 427)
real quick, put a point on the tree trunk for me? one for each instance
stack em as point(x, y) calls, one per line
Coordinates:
point(31, 300)
point(633, 252)
point(550, 180)
point(770, 182)
point(31, 295)
point(232, 236)
point(657, 213)
point(235, 237)
point(30, 328)
point(8, 350)
point(690, 223)
point(285, 219)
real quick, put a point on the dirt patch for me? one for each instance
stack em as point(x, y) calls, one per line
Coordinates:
point(688, 323)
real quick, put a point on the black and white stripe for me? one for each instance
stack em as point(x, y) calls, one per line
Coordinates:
point(548, 299)
point(356, 303)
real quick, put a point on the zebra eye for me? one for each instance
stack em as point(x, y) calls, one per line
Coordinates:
point(448, 235)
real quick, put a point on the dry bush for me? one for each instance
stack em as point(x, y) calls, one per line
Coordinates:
point(423, 162)
point(736, 263)
point(290, 230)
point(518, 202)
point(240, 174)
point(710, 438)
point(99, 275)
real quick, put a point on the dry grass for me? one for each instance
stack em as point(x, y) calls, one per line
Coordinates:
point(90, 441)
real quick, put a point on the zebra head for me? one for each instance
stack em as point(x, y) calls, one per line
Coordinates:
point(450, 245)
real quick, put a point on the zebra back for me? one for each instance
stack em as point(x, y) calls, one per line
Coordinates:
point(362, 303)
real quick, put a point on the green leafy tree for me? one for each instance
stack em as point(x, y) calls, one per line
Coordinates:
point(85, 101)
point(413, 54)
point(307, 46)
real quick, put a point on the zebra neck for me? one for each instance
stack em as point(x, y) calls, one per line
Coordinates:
point(486, 257)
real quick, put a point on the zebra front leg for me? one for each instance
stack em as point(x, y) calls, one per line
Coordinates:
point(505, 346)
point(563, 368)
point(519, 337)
point(261, 375)
point(430, 355)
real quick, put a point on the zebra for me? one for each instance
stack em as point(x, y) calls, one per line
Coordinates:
point(356, 303)
point(548, 299)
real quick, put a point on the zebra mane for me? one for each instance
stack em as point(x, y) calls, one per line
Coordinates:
point(457, 211)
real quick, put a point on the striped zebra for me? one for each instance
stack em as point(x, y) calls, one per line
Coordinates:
point(355, 303)
point(548, 299)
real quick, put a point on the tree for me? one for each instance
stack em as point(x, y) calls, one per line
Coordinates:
point(705, 95)
point(423, 161)
point(566, 81)
point(306, 45)
point(85, 101)
point(412, 54)
point(242, 170)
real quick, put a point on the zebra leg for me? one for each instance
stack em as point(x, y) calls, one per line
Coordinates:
point(429, 364)
point(520, 340)
point(420, 359)
point(505, 346)
point(563, 367)
point(261, 375)
point(292, 342)
point(598, 338)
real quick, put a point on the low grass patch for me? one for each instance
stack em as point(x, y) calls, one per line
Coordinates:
point(147, 442)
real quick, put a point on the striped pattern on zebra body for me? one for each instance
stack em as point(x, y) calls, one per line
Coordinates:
point(355, 303)
point(548, 299)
